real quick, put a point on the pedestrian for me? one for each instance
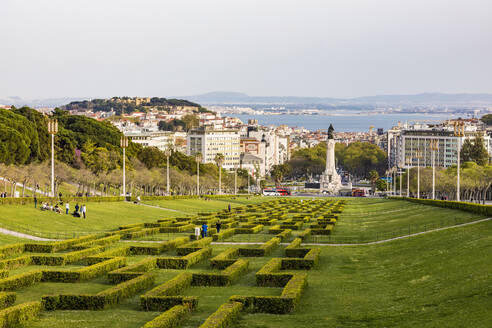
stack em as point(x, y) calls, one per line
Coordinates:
point(60, 195)
point(198, 232)
point(218, 225)
point(35, 201)
point(67, 208)
point(204, 229)
point(77, 208)
point(83, 210)
point(229, 207)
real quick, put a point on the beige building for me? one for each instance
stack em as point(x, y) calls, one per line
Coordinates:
point(210, 142)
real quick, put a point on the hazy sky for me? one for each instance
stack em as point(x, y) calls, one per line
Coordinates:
point(332, 48)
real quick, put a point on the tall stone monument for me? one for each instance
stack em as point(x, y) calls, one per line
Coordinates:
point(330, 180)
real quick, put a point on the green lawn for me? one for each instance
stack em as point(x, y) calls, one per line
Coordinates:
point(7, 239)
point(365, 220)
point(193, 206)
point(441, 279)
point(100, 217)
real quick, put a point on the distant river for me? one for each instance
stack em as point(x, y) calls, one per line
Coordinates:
point(343, 122)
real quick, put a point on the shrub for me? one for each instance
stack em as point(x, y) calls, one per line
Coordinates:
point(63, 259)
point(19, 314)
point(225, 258)
point(126, 289)
point(224, 234)
point(170, 318)
point(160, 247)
point(84, 273)
point(184, 262)
point(284, 235)
point(304, 234)
point(132, 271)
point(7, 299)
point(463, 206)
point(141, 233)
point(15, 262)
point(267, 278)
point(193, 246)
point(4, 273)
point(256, 229)
point(274, 230)
point(263, 250)
point(21, 280)
point(173, 286)
point(225, 315)
point(97, 242)
point(224, 278)
point(12, 249)
point(183, 228)
point(58, 245)
point(109, 254)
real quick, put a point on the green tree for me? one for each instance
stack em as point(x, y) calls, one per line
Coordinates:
point(487, 119)
point(474, 151)
point(373, 177)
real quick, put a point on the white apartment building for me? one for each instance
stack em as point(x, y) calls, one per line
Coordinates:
point(160, 139)
point(406, 142)
point(210, 142)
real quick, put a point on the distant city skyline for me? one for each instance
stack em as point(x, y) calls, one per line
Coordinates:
point(339, 49)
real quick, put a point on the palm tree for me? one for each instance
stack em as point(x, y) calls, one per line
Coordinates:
point(373, 177)
point(219, 159)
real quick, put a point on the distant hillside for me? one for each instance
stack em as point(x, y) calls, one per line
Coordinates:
point(128, 105)
point(415, 99)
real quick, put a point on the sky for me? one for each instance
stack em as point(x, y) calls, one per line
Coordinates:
point(327, 48)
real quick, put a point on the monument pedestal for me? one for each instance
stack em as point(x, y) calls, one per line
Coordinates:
point(330, 181)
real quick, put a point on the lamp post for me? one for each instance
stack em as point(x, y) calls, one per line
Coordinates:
point(52, 129)
point(400, 167)
point(409, 162)
point(418, 155)
point(167, 152)
point(459, 131)
point(124, 145)
point(235, 179)
point(434, 146)
point(395, 172)
point(198, 158)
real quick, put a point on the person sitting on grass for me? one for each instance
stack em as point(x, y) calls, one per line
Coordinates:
point(56, 209)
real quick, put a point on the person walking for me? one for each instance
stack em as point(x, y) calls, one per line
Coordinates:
point(35, 201)
point(204, 230)
point(229, 208)
point(218, 225)
point(83, 210)
point(67, 208)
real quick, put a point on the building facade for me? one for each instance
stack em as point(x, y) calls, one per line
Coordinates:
point(210, 142)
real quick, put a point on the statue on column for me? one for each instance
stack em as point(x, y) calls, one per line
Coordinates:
point(330, 180)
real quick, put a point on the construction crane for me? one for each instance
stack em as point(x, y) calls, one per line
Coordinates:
point(370, 129)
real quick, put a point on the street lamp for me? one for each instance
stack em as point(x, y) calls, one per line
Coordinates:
point(418, 155)
point(401, 173)
point(52, 129)
point(219, 161)
point(434, 146)
point(198, 158)
point(124, 145)
point(235, 179)
point(167, 152)
point(409, 163)
point(459, 131)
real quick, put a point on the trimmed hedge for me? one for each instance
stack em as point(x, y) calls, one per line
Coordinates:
point(304, 234)
point(132, 271)
point(109, 254)
point(265, 249)
point(160, 247)
point(184, 262)
point(169, 319)
point(225, 315)
point(141, 233)
point(224, 278)
point(256, 229)
point(266, 277)
point(307, 262)
point(12, 249)
point(282, 304)
point(57, 245)
point(224, 259)
point(84, 273)
point(21, 280)
point(7, 299)
point(16, 262)
point(463, 206)
point(63, 259)
point(19, 314)
point(97, 242)
point(193, 246)
point(224, 234)
point(100, 300)
point(284, 235)
point(183, 228)
point(162, 297)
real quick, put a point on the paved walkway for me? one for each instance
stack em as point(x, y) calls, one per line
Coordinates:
point(26, 236)
point(161, 208)
point(23, 235)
